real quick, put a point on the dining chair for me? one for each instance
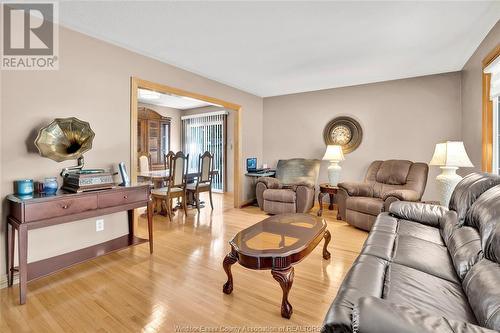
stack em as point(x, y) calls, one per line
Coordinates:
point(144, 162)
point(176, 184)
point(203, 183)
point(167, 158)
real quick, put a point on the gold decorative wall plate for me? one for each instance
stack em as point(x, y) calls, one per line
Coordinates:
point(345, 132)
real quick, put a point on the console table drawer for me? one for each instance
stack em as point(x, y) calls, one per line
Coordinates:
point(122, 197)
point(56, 208)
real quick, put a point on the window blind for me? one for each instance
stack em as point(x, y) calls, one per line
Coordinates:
point(494, 69)
point(206, 132)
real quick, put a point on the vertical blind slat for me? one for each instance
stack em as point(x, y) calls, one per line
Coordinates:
point(206, 133)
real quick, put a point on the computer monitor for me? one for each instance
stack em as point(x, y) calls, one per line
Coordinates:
point(251, 164)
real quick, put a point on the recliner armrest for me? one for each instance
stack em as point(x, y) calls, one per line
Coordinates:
point(356, 189)
point(270, 182)
point(294, 186)
point(375, 315)
point(419, 212)
point(402, 194)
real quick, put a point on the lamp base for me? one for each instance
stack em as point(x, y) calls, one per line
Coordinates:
point(334, 171)
point(446, 181)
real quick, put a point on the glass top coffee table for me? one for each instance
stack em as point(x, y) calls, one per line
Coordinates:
point(277, 243)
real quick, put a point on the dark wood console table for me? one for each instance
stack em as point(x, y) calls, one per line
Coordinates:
point(41, 210)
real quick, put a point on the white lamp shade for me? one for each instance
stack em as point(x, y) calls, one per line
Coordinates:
point(333, 153)
point(451, 154)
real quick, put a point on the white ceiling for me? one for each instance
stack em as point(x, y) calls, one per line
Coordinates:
point(275, 48)
point(171, 101)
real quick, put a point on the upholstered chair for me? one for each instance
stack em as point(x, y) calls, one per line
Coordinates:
point(293, 189)
point(359, 203)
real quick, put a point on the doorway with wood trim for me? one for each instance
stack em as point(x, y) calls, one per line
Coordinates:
point(163, 128)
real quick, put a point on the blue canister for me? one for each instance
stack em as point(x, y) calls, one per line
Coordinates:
point(23, 186)
point(50, 185)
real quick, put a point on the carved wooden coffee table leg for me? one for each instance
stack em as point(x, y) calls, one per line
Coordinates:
point(285, 279)
point(229, 260)
point(327, 236)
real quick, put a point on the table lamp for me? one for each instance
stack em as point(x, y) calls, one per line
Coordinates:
point(449, 156)
point(334, 154)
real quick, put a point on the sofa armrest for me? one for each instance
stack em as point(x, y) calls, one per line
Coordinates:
point(419, 212)
point(270, 182)
point(375, 315)
point(356, 189)
point(402, 194)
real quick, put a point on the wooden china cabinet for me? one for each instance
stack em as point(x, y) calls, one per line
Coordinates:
point(153, 136)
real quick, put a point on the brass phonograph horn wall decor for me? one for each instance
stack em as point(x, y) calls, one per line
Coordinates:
point(68, 139)
point(65, 139)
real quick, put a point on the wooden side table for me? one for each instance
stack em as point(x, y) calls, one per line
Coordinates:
point(331, 191)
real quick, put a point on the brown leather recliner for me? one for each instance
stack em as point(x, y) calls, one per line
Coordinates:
point(293, 189)
point(359, 203)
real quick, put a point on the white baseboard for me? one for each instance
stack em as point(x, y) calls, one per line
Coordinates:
point(4, 280)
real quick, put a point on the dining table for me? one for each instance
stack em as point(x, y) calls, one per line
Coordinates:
point(159, 178)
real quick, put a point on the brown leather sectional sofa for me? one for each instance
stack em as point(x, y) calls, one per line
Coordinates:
point(359, 203)
point(427, 268)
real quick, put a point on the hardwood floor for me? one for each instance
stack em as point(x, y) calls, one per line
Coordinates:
point(179, 287)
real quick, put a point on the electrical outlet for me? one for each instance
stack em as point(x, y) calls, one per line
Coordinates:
point(99, 225)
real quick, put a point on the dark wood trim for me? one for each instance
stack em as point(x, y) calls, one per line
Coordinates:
point(487, 116)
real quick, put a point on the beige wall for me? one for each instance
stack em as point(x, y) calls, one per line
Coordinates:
point(472, 96)
point(93, 83)
point(401, 119)
point(230, 139)
point(175, 123)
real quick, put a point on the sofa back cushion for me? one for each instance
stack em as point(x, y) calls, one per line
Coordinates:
point(298, 170)
point(481, 284)
point(481, 287)
point(464, 246)
point(468, 190)
point(397, 174)
point(484, 215)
